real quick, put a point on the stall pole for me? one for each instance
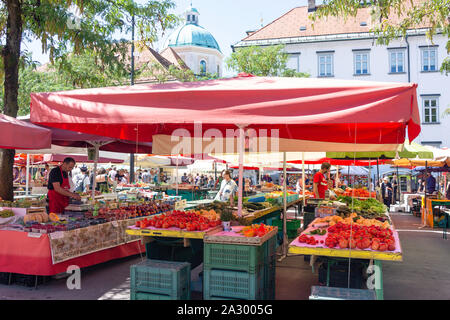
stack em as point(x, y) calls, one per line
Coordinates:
point(285, 240)
point(398, 187)
point(27, 175)
point(177, 176)
point(94, 183)
point(378, 173)
point(303, 183)
point(370, 176)
point(241, 168)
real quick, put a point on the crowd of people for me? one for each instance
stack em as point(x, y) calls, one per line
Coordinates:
point(203, 181)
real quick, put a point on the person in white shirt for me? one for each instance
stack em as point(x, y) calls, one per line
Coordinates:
point(228, 188)
point(81, 181)
point(299, 186)
point(112, 175)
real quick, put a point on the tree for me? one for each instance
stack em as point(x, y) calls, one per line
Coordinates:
point(410, 13)
point(62, 32)
point(262, 61)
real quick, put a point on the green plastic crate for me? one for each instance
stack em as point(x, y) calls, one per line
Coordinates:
point(162, 278)
point(234, 257)
point(269, 279)
point(234, 284)
point(134, 295)
point(291, 227)
point(270, 249)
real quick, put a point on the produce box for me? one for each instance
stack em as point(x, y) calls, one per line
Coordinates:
point(233, 237)
point(156, 277)
point(234, 284)
point(329, 293)
point(235, 257)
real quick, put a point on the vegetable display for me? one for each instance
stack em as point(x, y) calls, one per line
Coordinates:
point(189, 221)
point(256, 230)
point(360, 193)
point(6, 213)
point(368, 208)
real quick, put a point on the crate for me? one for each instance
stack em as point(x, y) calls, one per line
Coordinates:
point(339, 275)
point(136, 295)
point(233, 256)
point(329, 293)
point(269, 279)
point(234, 284)
point(162, 278)
point(292, 227)
point(270, 249)
point(307, 219)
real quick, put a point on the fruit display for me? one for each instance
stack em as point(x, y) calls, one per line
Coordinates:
point(256, 230)
point(360, 237)
point(40, 217)
point(277, 194)
point(6, 213)
point(359, 193)
point(189, 221)
point(210, 214)
point(129, 212)
point(353, 219)
point(256, 206)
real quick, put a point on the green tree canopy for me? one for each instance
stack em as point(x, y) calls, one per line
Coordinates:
point(68, 27)
point(262, 61)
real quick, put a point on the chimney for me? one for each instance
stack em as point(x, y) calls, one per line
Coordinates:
point(311, 5)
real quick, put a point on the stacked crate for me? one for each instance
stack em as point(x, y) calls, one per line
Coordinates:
point(239, 271)
point(160, 280)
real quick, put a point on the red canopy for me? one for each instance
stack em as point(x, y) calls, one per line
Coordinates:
point(311, 109)
point(56, 158)
point(341, 162)
point(245, 168)
point(17, 134)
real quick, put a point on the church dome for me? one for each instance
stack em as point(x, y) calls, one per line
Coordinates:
point(191, 34)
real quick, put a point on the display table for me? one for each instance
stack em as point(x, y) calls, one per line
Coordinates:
point(427, 211)
point(22, 254)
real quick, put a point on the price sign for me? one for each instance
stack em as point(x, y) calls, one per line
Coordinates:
point(34, 235)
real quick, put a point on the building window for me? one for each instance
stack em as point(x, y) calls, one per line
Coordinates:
point(203, 67)
point(397, 61)
point(294, 61)
point(361, 63)
point(188, 17)
point(436, 144)
point(430, 109)
point(429, 59)
point(325, 65)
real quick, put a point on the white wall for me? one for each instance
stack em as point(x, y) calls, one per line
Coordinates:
point(428, 82)
point(192, 56)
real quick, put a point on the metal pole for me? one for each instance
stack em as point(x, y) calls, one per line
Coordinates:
point(241, 168)
point(132, 178)
point(27, 175)
point(378, 172)
point(398, 186)
point(177, 176)
point(303, 182)
point(94, 183)
point(285, 240)
point(370, 176)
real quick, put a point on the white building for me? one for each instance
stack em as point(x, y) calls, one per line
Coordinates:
point(196, 46)
point(347, 50)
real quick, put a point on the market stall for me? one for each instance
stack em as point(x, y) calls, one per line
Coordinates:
point(306, 115)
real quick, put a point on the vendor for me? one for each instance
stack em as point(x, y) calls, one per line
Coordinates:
point(430, 183)
point(320, 183)
point(227, 190)
point(386, 192)
point(58, 187)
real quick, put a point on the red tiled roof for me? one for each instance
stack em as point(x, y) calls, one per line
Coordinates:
point(174, 58)
point(288, 25)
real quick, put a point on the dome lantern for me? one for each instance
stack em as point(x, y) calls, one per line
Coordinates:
point(192, 15)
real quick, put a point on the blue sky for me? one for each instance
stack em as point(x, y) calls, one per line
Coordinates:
point(227, 20)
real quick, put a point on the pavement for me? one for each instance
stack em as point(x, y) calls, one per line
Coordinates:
point(423, 273)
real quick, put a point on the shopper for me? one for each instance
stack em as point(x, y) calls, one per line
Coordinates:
point(386, 191)
point(227, 190)
point(59, 186)
point(320, 183)
point(430, 183)
point(81, 180)
point(395, 189)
